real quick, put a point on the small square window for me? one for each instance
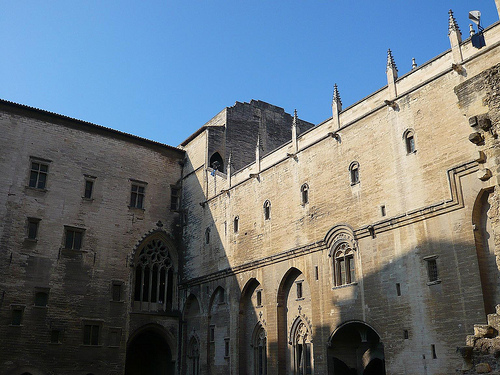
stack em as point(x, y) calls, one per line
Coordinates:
point(175, 194)
point(91, 334)
point(33, 224)
point(73, 238)
point(55, 336)
point(137, 195)
point(38, 174)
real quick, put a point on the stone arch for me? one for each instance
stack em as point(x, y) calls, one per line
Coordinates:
point(247, 319)
point(151, 349)
point(485, 249)
point(154, 261)
point(292, 300)
point(355, 347)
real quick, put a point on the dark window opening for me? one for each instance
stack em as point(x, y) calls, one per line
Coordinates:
point(304, 190)
point(38, 175)
point(137, 196)
point(259, 298)
point(299, 290)
point(267, 210)
point(91, 334)
point(216, 162)
point(33, 228)
point(236, 224)
point(354, 172)
point(41, 299)
point(17, 317)
point(73, 239)
point(55, 336)
point(89, 187)
point(432, 270)
point(175, 194)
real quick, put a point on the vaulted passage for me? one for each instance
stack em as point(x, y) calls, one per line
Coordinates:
point(355, 349)
point(149, 354)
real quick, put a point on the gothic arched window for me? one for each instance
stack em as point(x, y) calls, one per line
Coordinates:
point(304, 192)
point(354, 172)
point(267, 210)
point(409, 139)
point(260, 351)
point(154, 277)
point(302, 350)
point(344, 265)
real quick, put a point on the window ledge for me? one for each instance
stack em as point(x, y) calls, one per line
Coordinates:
point(434, 282)
point(36, 189)
point(345, 285)
point(136, 208)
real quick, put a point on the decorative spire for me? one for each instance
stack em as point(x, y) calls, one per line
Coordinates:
point(471, 29)
point(413, 63)
point(452, 24)
point(336, 96)
point(391, 64)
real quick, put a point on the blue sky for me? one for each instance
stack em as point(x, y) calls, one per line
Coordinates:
point(161, 69)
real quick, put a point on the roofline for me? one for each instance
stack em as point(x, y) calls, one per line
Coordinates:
point(6, 105)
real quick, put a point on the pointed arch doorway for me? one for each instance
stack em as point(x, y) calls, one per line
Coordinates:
point(354, 349)
point(149, 353)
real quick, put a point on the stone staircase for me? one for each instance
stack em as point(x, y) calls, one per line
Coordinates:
point(481, 353)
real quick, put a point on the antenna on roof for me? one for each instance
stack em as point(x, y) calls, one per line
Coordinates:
point(477, 39)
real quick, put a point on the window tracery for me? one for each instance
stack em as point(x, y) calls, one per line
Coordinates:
point(154, 277)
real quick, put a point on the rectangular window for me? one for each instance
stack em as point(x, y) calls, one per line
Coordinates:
point(41, 297)
point(226, 348)
point(259, 298)
point(38, 174)
point(91, 334)
point(212, 333)
point(175, 194)
point(89, 188)
point(17, 316)
point(432, 269)
point(116, 290)
point(73, 238)
point(55, 336)
point(137, 196)
point(299, 290)
point(33, 228)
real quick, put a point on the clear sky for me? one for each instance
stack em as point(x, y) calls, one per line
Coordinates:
point(161, 69)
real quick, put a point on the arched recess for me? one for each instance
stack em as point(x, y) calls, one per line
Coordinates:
point(355, 348)
point(294, 300)
point(155, 267)
point(151, 350)
point(485, 249)
point(216, 162)
point(218, 332)
point(191, 336)
point(252, 316)
point(343, 251)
